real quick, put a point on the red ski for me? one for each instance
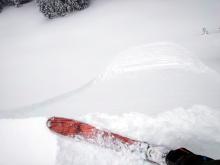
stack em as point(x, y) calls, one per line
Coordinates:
point(160, 154)
point(79, 130)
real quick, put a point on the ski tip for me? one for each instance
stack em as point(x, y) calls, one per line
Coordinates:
point(48, 123)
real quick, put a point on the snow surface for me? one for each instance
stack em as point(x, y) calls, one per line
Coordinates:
point(28, 141)
point(139, 68)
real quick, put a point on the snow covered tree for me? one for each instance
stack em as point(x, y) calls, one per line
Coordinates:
point(1, 6)
point(77, 4)
point(4, 3)
point(16, 3)
point(55, 8)
point(52, 8)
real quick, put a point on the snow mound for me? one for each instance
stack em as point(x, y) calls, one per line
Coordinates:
point(162, 55)
point(196, 128)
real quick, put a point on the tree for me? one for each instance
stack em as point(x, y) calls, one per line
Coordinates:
point(16, 3)
point(55, 8)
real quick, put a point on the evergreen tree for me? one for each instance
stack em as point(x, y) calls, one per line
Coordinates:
point(1, 6)
point(16, 3)
point(51, 8)
point(19, 2)
point(55, 8)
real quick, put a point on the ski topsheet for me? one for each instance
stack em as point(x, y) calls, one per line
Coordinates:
point(86, 132)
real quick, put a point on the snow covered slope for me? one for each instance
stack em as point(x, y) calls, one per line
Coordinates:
point(143, 85)
point(42, 58)
point(139, 68)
